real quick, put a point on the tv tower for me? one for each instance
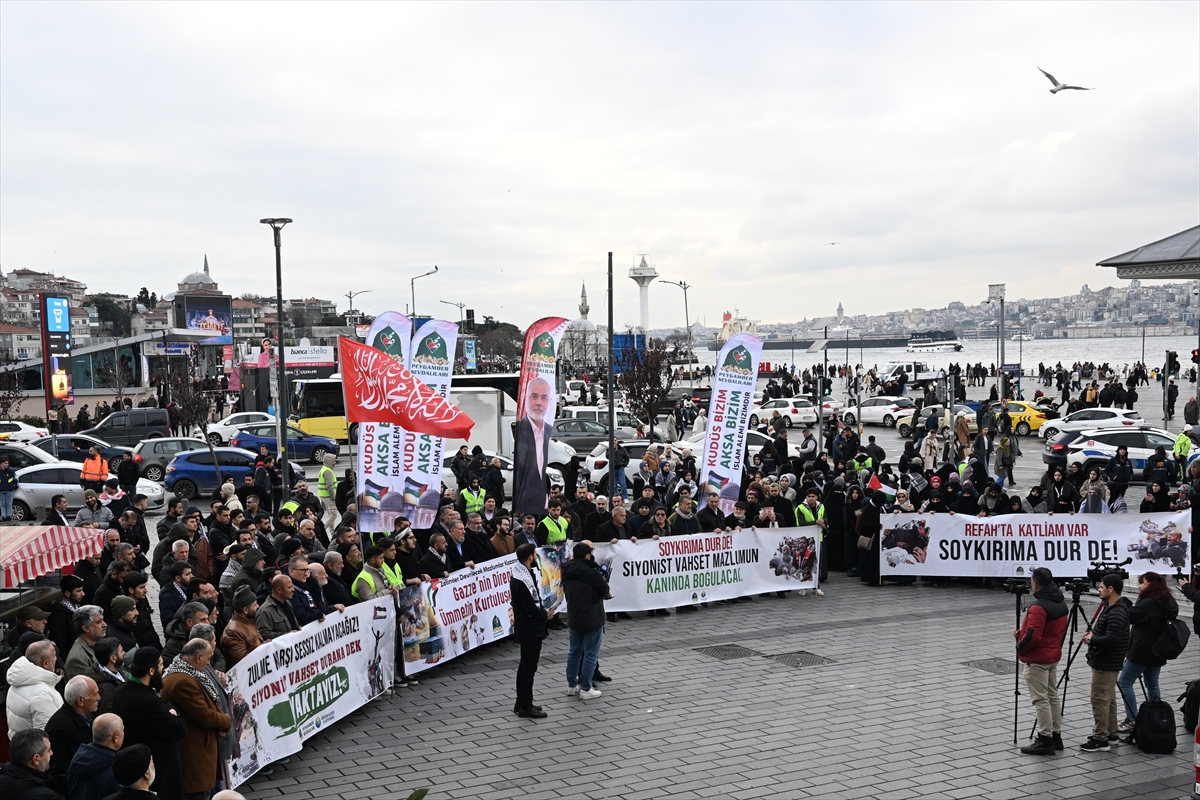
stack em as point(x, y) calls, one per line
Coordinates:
point(644, 274)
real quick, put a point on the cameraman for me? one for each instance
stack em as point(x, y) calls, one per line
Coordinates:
point(1039, 648)
point(1107, 642)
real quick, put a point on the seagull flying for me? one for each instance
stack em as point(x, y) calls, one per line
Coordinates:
point(1058, 87)
point(831, 244)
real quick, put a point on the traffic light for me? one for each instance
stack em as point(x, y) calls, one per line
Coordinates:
point(1172, 362)
point(470, 326)
point(1196, 356)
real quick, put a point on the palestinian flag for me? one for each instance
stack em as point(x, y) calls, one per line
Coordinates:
point(876, 485)
point(413, 491)
point(373, 494)
point(389, 342)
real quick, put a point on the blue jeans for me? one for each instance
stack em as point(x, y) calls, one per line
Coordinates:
point(6, 504)
point(1129, 674)
point(620, 482)
point(582, 658)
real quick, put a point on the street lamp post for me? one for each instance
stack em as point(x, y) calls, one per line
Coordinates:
point(413, 286)
point(350, 297)
point(996, 293)
point(281, 375)
point(688, 322)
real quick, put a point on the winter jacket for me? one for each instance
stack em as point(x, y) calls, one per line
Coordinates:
point(681, 525)
point(275, 618)
point(67, 731)
point(8, 480)
point(204, 723)
point(1190, 592)
point(1149, 617)
point(90, 775)
point(1110, 636)
point(149, 721)
point(1040, 639)
point(18, 782)
point(1119, 472)
point(529, 618)
point(81, 658)
point(107, 685)
point(240, 637)
point(32, 698)
point(100, 516)
point(586, 589)
point(127, 473)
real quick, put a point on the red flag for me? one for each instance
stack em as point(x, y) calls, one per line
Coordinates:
point(874, 484)
point(379, 389)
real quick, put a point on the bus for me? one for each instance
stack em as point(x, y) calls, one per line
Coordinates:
point(319, 407)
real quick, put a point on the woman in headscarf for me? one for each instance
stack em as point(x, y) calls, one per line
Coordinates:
point(644, 477)
point(850, 517)
point(870, 527)
point(1075, 475)
point(686, 481)
point(1094, 481)
point(993, 502)
point(664, 481)
point(1156, 499)
point(968, 500)
point(902, 505)
point(1062, 497)
point(1016, 505)
point(1036, 500)
point(835, 521)
point(935, 503)
point(1093, 501)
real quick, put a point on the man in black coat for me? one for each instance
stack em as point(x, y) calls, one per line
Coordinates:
point(149, 721)
point(27, 776)
point(529, 628)
point(1107, 642)
point(586, 591)
point(434, 562)
point(71, 725)
point(616, 528)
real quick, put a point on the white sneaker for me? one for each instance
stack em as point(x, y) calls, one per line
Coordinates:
point(819, 593)
point(590, 694)
point(804, 592)
point(572, 691)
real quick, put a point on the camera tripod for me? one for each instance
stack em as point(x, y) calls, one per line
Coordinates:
point(1076, 614)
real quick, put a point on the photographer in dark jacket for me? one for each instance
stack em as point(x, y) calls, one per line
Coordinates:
point(1039, 648)
point(586, 590)
point(1155, 607)
point(529, 628)
point(1107, 642)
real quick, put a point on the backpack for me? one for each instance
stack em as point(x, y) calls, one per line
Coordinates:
point(1154, 729)
point(1171, 641)
point(1191, 705)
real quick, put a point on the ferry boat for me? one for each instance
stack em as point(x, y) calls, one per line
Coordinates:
point(1023, 337)
point(934, 342)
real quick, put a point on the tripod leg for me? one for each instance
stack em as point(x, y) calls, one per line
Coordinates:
point(1017, 681)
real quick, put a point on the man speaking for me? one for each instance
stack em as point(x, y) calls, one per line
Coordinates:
point(531, 446)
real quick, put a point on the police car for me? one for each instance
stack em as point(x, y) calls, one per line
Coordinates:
point(1093, 448)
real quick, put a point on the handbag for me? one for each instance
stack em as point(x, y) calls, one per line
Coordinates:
point(864, 542)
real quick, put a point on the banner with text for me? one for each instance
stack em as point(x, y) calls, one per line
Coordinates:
point(681, 570)
point(289, 688)
point(381, 473)
point(1012, 546)
point(432, 361)
point(536, 404)
point(729, 418)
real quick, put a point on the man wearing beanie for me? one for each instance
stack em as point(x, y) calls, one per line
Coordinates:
point(124, 614)
point(150, 721)
point(250, 573)
point(241, 634)
point(135, 770)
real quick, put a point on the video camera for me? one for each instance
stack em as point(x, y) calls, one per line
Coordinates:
point(1100, 569)
point(1017, 586)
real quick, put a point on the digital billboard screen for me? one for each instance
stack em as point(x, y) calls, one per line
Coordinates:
point(56, 350)
point(206, 313)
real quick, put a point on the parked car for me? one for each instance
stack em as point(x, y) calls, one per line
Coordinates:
point(74, 447)
point(597, 464)
point(130, 427)
point(299, 443)
point(16, 431)
point(190, 474)
point(23, 455)
point(625, 420)
point(41, 482)
point(1094, 448)
point(153, 455)
point(582, 434)
point(221, 432)
point(506, 468)
point(794, 410)
point(1091, 418)
point(904, 425)
point(880, 410)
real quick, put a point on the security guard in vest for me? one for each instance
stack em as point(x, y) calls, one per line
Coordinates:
point(391, 570)
point(862, 461)
point(552, 530)
point(371, 583)
point(812, 512)
point(472, 497)
point(327, 492)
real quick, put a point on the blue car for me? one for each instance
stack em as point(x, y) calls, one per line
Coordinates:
point(300, 444)
point(191, 474)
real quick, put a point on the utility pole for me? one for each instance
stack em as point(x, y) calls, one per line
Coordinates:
point(687, 321)
point(282, 404)
point(412, 284)
point(612, 392)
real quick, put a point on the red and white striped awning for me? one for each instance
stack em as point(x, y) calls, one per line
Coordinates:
point(32, 550)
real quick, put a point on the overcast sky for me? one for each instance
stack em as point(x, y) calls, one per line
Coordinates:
point(513, 145)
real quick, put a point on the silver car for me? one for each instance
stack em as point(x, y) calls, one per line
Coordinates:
point(40, 483)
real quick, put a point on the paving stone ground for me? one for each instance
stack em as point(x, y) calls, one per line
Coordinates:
point(897, 714)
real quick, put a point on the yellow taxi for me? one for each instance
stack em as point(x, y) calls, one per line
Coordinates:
point(1026, 418)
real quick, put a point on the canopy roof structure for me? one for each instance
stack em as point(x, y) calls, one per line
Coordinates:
point(1174, 257)
point(33, 550)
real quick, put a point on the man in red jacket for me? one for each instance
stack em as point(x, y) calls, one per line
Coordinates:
point(1039, 648)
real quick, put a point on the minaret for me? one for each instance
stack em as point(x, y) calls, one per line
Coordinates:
point(584, 308)
point(644, 274)
point(206, 263)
